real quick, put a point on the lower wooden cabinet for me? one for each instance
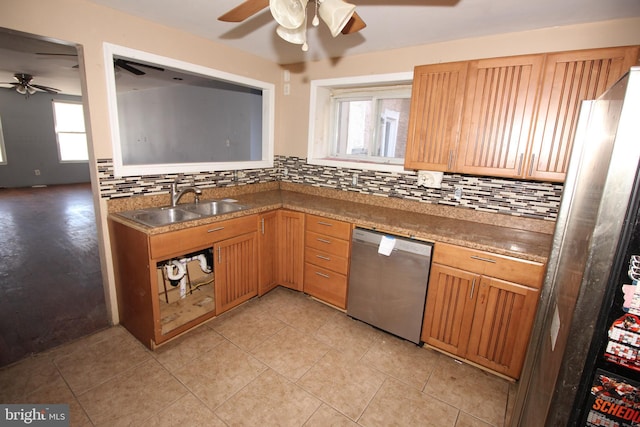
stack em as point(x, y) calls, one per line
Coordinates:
point(477, 317)
point(267, 251)
point(290, 249)
point(327, 245)
point(220, 266)
point(235, 270)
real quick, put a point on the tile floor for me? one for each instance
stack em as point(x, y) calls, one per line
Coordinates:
point(280, 360)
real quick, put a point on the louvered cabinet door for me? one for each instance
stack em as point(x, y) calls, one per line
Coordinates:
point(290, 254)
point(497, 117)
point(569, 78)
point(502, 325)
point(449, 308)
point(434, 119)
point(235, 271)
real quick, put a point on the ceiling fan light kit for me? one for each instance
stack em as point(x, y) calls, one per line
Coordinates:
point(336, 14)
point(291, 16)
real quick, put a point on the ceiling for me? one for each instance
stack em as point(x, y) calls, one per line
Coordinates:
point(390, 24)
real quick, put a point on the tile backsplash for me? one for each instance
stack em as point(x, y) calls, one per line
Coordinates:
point(532, 199)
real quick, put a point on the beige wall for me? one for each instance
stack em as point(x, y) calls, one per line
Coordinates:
point(89, 25)
point(293, 138)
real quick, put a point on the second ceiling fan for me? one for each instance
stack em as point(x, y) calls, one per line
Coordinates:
point(291, 16)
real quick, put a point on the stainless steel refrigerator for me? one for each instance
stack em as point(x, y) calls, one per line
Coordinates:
point(583, 355)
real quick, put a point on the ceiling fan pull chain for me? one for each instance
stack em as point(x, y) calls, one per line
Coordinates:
point(316, 20)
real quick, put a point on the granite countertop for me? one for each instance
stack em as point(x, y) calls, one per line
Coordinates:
point(464, 229)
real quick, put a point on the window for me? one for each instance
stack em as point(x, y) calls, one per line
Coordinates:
point(360, 122)
point(70, 132)
point(3, 156)
point(181, 117)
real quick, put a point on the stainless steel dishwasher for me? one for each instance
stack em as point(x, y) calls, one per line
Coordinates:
point(389, 291)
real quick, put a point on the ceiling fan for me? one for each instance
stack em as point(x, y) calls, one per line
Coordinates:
point(291, 16)
point(23, 85)
point(125, 64)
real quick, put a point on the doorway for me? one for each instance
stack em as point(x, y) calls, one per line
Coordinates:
point(51, 288)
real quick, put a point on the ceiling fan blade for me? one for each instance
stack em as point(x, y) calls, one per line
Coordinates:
point(244, 10)
point(46, 88)
point(354, 25)
point(125, 66)
point(139, 64)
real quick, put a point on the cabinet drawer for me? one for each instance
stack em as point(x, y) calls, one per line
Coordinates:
point(325, 243)
point(326, 260)
point(330, 227)
point(529, 273)
point(177, 242)
point(325, 285)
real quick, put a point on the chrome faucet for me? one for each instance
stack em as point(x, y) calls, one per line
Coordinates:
point(176, 195)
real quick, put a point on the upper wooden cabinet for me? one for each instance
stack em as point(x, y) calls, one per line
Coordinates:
point(499, 104)
point(568, 79)
point(434, 120)
point(511, 117)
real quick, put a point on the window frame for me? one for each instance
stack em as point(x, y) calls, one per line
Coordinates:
point(322, 116)
point(55, 127)
point(112, 51)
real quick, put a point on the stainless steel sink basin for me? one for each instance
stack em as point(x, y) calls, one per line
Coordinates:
point(156, 217)
point(213, 207)
point(161, 216)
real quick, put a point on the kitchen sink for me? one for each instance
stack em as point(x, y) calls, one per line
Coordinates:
point(213, 207)
point(156, 217)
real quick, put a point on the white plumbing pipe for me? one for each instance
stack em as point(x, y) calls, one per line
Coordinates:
point(175, 270)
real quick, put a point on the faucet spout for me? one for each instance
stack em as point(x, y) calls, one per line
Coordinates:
point(177, 194)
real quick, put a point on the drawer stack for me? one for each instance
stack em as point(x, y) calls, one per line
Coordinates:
point(327, 259)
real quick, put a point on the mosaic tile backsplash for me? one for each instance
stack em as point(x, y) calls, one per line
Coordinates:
point(532, 199)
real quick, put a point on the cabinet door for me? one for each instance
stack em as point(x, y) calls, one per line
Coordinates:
point(449, 308)
point(434, 119)
point(502, 325)
point(267, 250)
point(569, 78)
point(235, 271)
point(291, 249)
point(497, 117)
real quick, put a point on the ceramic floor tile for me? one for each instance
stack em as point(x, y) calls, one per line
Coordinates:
point(466, 420)
point(402, 360)
point(133, 396)
point(270, 400)
point(186, 411)
point(473, 390)
point(327, 416)
point(290, 352)
point(188, 347)
point(348, 335)
point(26, 376)
point(300, 311)
point(88, 366)
point(399, 404)
point(246, 327)
point(220, 373)
point(343, 382)
point(55, 392)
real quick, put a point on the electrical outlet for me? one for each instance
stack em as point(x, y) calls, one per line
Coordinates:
point(354, 179)
point(458, 193)
point(36, 172)
point(285, 172)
